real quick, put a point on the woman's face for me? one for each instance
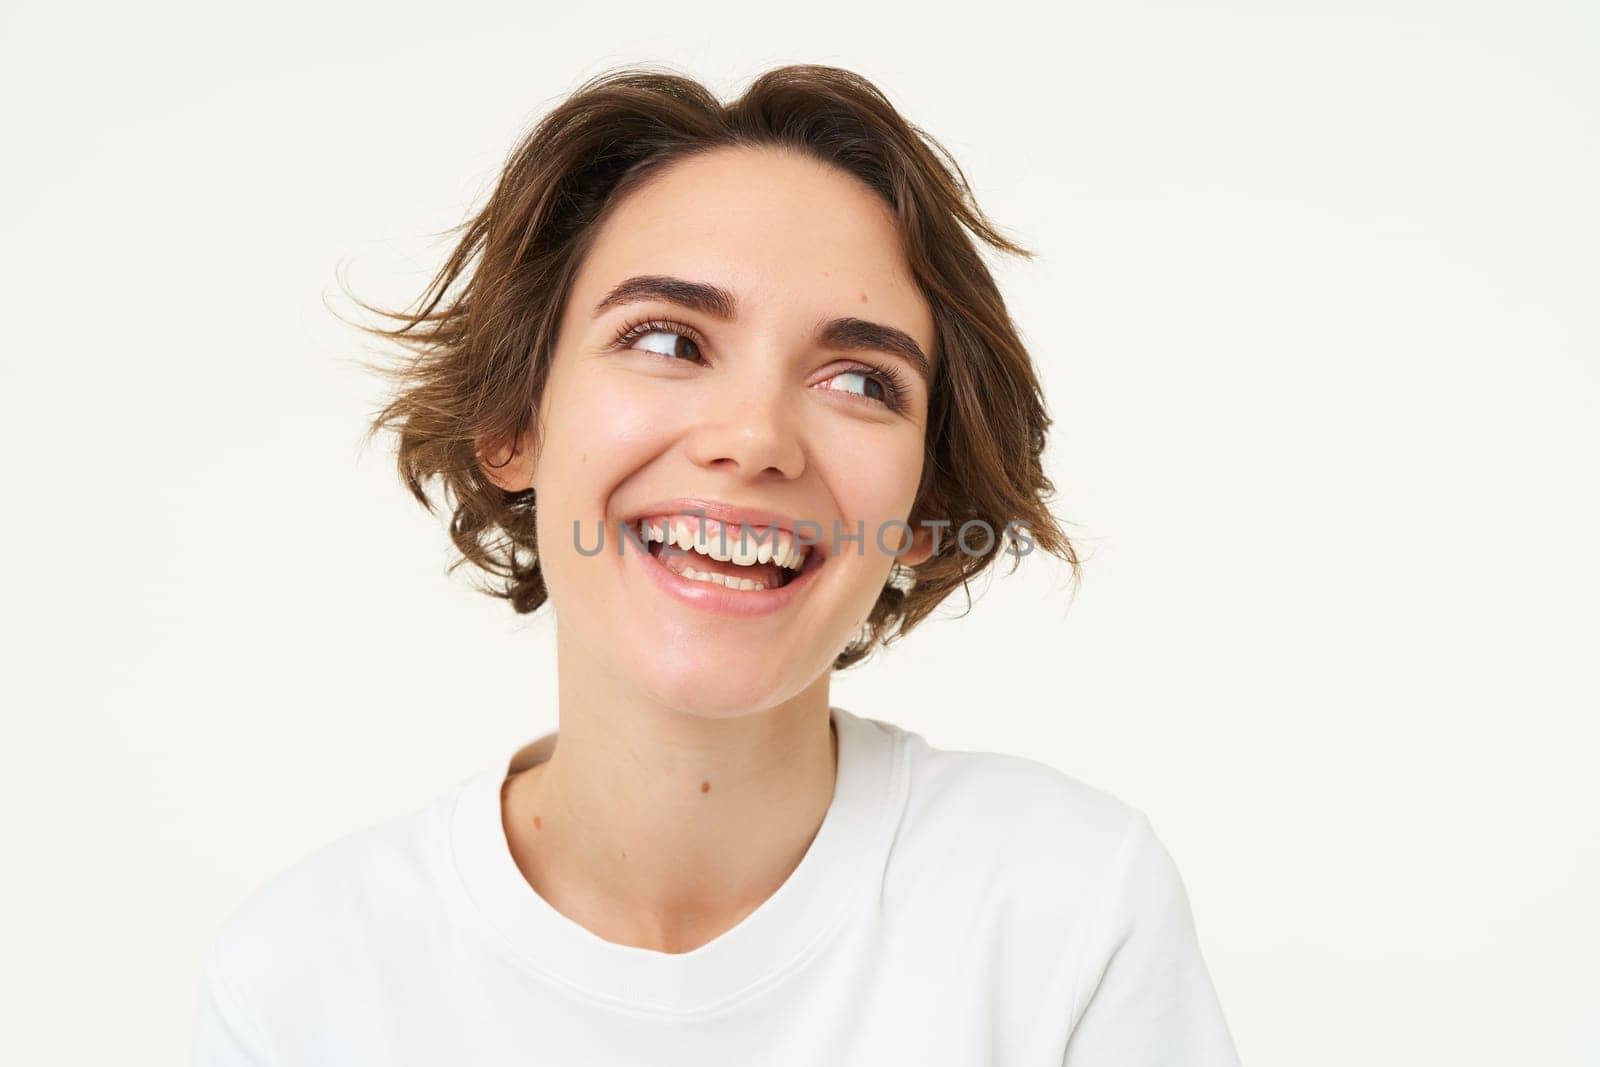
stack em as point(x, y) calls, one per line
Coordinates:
point(667, 397)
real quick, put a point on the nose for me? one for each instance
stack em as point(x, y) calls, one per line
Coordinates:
point(748, 426)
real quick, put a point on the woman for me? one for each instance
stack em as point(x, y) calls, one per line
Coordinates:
point(732, 389)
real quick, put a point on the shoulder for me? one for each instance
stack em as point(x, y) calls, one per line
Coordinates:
point(1053, 873)
point(1001, 803)
point(1057, 853)
point(1046, 854)
point(318, 918)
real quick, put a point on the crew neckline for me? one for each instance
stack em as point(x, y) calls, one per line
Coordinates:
point(844, 859)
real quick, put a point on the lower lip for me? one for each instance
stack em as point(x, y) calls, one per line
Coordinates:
point(719, 599)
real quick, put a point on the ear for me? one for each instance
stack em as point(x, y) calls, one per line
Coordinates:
point(921, 547)
point(508, 465)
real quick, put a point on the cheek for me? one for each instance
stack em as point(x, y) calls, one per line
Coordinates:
point(599, 428)
point(875, 478)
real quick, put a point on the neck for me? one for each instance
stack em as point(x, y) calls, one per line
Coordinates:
point(659, 828)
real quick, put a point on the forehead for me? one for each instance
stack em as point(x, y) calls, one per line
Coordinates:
point(787, 233)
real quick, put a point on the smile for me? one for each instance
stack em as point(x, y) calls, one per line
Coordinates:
point(746, 559)
point(724, 568)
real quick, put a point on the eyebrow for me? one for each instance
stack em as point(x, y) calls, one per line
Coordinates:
point(847, 333)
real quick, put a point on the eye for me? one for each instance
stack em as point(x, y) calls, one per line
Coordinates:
point(859, 382)
point(669, 339)
point(876, 385)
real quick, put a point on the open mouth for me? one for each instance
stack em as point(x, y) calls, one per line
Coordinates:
point(740, 557)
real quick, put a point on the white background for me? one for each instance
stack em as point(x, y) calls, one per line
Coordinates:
point(1314, 306)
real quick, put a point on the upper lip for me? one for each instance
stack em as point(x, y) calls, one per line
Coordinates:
point(728, 514)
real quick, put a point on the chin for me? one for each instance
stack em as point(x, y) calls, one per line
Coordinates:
point(713, 687)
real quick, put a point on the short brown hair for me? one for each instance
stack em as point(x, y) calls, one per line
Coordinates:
point(481, 336)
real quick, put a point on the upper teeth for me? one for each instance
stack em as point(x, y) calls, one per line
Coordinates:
point(723, 541)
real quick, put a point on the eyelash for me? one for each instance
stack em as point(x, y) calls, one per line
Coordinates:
point(892, 381)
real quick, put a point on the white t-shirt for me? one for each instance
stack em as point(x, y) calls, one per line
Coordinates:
point(954, 908)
